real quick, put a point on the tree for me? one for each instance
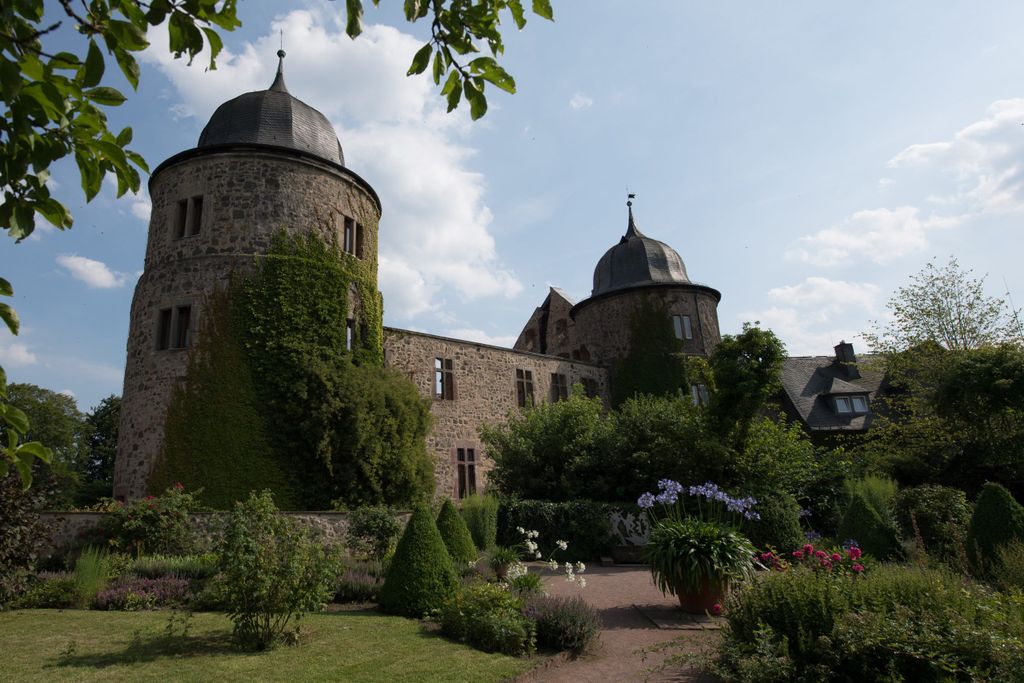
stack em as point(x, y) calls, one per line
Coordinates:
point(54, 419)
point(948, 307)
point(101, 439)
point(53, 103)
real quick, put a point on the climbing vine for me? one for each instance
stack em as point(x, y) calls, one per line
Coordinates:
point(655, 363)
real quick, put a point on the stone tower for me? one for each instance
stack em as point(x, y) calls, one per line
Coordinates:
point(266, 162)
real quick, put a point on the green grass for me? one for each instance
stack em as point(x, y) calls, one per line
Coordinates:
point(78, 645)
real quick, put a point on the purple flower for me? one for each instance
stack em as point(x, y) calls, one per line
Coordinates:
point(646, 501)
point(804, 513)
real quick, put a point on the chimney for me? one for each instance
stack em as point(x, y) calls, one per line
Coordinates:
point(847, 360)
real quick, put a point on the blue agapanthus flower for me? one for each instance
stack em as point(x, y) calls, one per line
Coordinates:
point(646, 501)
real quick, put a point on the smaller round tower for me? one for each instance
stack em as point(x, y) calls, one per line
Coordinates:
point(266, 163)
point(640, 270)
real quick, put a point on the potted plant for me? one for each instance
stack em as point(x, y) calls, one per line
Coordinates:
point(696, 554)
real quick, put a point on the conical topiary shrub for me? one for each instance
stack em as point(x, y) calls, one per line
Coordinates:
point(421, 574)
point(997, 520)
point(779, 526)
point(455, 535)
point(863, 524)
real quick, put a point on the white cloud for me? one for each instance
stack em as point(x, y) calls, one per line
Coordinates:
point(93, 273)
point(984, 161)
point(16, 354)
point(830, 295)
point(141, 208)
point(471, 334)
point(878, 235)
point(435, 233)
point(138, 202)
point(581, 101)
point(804, 332)
point(68, 393)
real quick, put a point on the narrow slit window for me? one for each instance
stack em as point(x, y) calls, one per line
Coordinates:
point(195, 216)
point(180, 219)
point(359, 230)
point(350, 333)
point(163, 330)
point(348, 237)
point(183, 319)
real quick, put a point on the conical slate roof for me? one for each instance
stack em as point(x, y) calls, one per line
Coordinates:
point(273, 117)
point(637, 260)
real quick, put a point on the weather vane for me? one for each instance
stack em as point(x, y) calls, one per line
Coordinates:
point(630, 196)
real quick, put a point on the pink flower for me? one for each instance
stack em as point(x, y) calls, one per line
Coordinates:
point(854, 553)
point(808, 549)
point(836, 557)
point(820, 554)
point(798, 554)
point(827, 564)
point(857, 568)
point(716, 609)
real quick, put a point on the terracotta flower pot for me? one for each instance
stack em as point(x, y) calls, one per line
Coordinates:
point(711, 593)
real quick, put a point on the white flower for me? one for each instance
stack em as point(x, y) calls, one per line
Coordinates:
point(568, 567)
point(553, 565)
point(516, 570)
point(533, 534)
point(582, 582)
point(580, 567)
point(562, 544)
point(538, 555)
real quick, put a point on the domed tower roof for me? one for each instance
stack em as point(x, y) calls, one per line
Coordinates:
point(273, 117)
point(637, 260)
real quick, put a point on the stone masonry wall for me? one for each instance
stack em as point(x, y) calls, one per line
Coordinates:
point(248, 197)
point(485, 391)
point(603, 325)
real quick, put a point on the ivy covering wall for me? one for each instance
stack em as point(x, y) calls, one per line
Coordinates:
point(320, 422)
point(655, 363)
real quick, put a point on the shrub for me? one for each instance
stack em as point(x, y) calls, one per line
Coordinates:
point(879, 492)
point(481, 516)
point(273, 571)
point(372, 531)
point(421, 574)
point(91, 575)
point(184, 567)
point(21, 533)
point(154, 524)
point(690, 555)
point(941, 515)
point(455, 535)
point(211, 595)
point(779, 526)
point(862, 522)
point(997, 519)
point(487, 616)
point(584, 524)
point(1008, 568)
point(360, 582)
point(564, 623)
point(501, 558)
point(138, 594)
point(50, 590)
point(526, 584)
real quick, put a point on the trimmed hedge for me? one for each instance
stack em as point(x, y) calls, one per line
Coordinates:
point(862, 523)
point(421, 574)
point(941, 514)
point(997, 520)
point(583, 524)
point(455, 535)
point(779, 526)
point(481, 515)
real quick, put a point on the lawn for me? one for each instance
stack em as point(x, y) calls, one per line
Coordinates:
point(76, 645)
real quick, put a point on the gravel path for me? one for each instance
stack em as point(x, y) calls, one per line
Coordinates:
point(625, 597)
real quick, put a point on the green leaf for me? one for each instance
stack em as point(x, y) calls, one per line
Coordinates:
point(5, 288)
point(137, 159)
point(35, 450)
point(438, 67)
point(128, 35)
point(477, 101)
point(420, 61)
point(65, 60)
point(10, 79)
point(125, 136)
point(518, 15)
point(543, 8)
point(354, 24)
point(453, 90)
point(16, 419)
point(23, 221)
point(10, 318)
point(129, 67)
point(92, 73)
point(493, 73)
point(105, 95)
point(216, 45)
point(25, 471)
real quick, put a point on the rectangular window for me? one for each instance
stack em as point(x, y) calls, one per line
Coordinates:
point(348, 242)
point(843, 406)
point(465, 462)
point(524, 388)
point(589, 386)
point(180, 219)
point(444, 379)
point(163, 330)
point(183, 318)
point(681, 327)
point(860, 404)
point(699, 394)
point(559, 387)
point(350, 333)
point(359, 240)
point(195, 216)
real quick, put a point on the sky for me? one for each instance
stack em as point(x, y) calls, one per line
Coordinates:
point(804, 158)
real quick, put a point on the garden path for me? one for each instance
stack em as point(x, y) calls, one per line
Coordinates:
point(626, 599)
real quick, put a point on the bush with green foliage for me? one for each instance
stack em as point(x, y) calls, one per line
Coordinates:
point(489, 617)
point(779, 526)
point(456, 535)
point(274, 571)
point(1007, 569)
point(585, 525)
point(92, 573)
point(155, 524)
point(892, 623)
point(421, 575)
point(49, 591)
point(525, 584)
point(372, 531)
point(939, 514)
point(564, 623)
point(21, 533)
point(481, 515)
point(998, 519)
point(195, 567)
point(879, 492)
point(862, 523)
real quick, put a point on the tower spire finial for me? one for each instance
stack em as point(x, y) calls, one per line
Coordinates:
point(631, 230)
point(278, 84)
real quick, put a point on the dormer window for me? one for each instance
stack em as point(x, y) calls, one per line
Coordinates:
point(851, 405)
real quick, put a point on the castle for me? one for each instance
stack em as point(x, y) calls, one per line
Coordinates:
point(267, 162)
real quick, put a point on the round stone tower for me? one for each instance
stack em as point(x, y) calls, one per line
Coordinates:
point(266, 163)
point(636, 271)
